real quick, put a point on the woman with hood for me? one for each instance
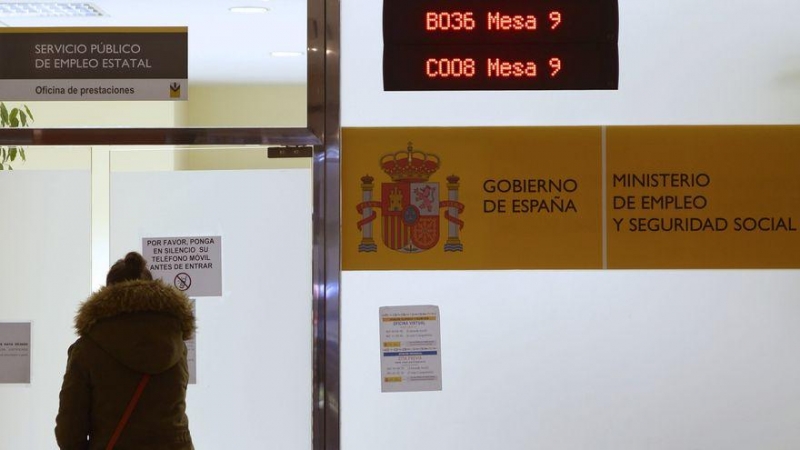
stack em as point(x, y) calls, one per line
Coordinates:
point(126, 377)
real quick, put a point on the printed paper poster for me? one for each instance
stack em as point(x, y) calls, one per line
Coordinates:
point(411, 358)
point(193, 264)
point(15, 352)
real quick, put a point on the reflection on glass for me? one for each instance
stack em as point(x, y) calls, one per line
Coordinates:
point(67, 210)
point(244, 70)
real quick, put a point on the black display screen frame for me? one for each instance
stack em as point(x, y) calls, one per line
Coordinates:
point(499, 39)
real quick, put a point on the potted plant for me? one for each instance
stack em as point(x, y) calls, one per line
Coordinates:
point(13, 118)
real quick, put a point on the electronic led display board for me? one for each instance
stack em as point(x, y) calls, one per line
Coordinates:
point(500, 45)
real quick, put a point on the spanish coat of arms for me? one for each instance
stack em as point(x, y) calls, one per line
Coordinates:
point(410, 205)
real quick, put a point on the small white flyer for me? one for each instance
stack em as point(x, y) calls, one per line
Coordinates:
point(411, 358)
point(193, 264)
point(15, 352)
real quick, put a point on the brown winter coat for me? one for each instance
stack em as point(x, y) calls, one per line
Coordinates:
point(125, 330)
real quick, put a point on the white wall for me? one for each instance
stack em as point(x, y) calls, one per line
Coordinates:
point(681, 62)
point(254, 343)
point(562, 360)
point(44, 275)
point(596, 360)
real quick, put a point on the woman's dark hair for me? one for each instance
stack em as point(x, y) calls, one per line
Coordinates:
point(132, 267)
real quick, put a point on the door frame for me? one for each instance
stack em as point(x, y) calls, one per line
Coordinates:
point(322, 133)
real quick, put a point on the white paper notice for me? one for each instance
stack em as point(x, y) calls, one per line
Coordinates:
point(15, 352)
point(193, 264)
point(411, 358)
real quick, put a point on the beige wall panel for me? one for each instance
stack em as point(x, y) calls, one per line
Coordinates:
point(247, 106)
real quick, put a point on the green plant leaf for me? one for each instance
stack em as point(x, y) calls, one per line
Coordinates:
point(30, 114)
point(3, 115)
point(13, 118)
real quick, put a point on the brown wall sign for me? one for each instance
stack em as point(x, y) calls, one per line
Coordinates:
point(82, 63)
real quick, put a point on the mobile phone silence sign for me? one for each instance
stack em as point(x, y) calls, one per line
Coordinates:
point(94, 63)
point(500, 45)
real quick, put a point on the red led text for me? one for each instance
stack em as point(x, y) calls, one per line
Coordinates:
point(445, 67)
point(505, 69)
point(555, 65)
point(446, 21)
point(495, 21)
point(555, 19)
point(495, 68)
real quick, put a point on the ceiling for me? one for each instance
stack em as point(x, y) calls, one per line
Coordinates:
point(224, 47)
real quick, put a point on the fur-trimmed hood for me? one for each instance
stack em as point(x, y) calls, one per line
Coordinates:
point(135, 296)
point(143, 324)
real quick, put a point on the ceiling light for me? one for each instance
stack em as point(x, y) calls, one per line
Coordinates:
point(286, 54)
point(248, 9)
point(49, 10)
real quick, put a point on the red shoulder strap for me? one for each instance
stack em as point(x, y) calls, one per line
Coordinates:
point(128, 411)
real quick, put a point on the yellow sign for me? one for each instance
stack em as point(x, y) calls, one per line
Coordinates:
point(471, 198)
point(175, 90)
point(703, 197)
